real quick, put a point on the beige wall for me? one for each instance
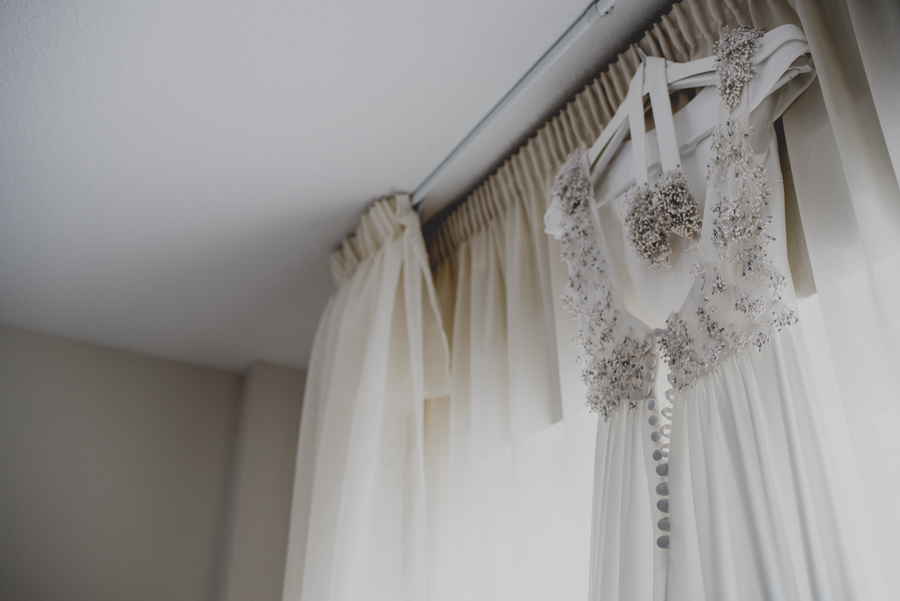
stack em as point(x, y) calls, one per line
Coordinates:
point(264, 478)
point(116, 473)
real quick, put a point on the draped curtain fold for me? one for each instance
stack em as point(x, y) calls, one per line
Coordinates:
point(358, 521)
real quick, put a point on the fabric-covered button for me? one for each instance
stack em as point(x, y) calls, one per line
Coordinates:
point(662, 542)
point(649, 376)
point(657, 455)
point(662, 469)
point(662, 489)
point(651, 362)
point(664, 524)
point(654, 419)
point(663, 505)
point(651, 404)
point(647, 390)
point(657, 332)
point(654, 349)
point(655, 436)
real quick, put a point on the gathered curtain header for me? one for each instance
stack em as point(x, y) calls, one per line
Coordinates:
point(685, 33)
point(385, 220)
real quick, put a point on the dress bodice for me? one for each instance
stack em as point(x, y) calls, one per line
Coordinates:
point(728, 289)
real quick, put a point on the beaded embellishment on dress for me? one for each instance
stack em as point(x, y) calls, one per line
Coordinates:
point(613, 372)
point(734, 61)
point(644, 232)
point(744, 283)
point(677, 208)
point(652, 213)
point(739, 234)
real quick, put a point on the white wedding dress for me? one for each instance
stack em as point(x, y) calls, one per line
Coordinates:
point(710, 478)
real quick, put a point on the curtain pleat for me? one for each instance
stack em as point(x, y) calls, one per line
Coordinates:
point(359, 517)
point(686, 33)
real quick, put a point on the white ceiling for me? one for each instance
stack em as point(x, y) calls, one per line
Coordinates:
point(173, 174)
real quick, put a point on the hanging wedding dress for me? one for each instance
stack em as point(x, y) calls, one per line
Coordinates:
point(710, 480)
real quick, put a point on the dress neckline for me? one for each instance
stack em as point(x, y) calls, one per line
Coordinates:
point(630, 318)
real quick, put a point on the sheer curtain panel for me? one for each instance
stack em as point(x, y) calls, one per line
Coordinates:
point(843, 137)
point(510, 452)
point(358, 522)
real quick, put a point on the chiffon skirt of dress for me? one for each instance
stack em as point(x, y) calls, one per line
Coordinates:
point(751, 509)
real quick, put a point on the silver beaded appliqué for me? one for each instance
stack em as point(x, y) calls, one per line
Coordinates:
point(734, 61)
point(653, 213)
point(744, 282)
point(740, 236)
point(678, 212)
point(613, 372)
point(643, 228)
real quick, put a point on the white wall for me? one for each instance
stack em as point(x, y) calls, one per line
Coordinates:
point(116, 469)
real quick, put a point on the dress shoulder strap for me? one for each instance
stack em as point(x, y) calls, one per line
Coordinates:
point(655, 82)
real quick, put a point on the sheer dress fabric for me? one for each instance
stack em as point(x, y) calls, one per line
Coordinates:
point(739, 505)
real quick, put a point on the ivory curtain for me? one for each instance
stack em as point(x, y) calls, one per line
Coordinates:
point(509, 453)
point(843, 138)
point(491, 499)
point(358, 521)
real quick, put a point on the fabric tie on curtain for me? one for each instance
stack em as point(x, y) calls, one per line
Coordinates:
point(358, 521)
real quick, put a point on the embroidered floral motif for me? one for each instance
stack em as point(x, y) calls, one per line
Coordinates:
point(651, 214)
point(644, 232)
point(612, 372)
point(678, 345)
point(742, 216)
point(734, 61)
point(617, 379)
point(740, 235)
point(578, 242)
point(719, 325)
point(677, 208)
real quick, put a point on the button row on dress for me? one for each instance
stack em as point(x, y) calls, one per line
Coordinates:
point(661, 453)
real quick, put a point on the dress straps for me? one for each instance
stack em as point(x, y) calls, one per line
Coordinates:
point(635, 101)
point(655, 81)
point(651, 76)
point(668, 207)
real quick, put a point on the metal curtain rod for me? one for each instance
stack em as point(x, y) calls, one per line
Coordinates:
point(597, 9)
